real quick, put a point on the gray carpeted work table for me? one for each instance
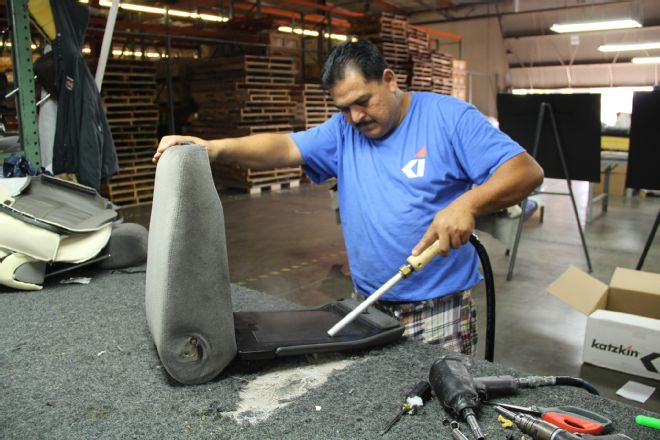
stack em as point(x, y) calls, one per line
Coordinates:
point(78, 362)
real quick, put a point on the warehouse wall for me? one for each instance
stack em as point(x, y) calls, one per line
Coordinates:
point(483, 49)
point(540, 58)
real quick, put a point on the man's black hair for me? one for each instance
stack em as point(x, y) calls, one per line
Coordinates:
point(362, 55)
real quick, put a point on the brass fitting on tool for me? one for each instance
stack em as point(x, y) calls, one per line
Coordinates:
point(405, 270)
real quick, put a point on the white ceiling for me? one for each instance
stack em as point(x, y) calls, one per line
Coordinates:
point(538, 57)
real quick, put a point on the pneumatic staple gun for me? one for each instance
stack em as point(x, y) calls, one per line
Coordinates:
point(461, 395)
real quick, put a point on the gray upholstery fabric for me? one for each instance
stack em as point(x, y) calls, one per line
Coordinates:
point(127, 247)
point(67, 205)
point(188, 301)
point(32, 272)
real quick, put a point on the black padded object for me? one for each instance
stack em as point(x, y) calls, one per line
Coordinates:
point(127, 247)
point(4, 85)
point(44, 69)
point(264, 335)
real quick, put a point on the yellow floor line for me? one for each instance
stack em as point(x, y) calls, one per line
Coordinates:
point(284, 270)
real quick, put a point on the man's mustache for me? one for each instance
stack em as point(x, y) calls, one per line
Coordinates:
point(363, 123)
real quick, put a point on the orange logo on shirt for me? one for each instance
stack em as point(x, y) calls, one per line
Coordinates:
point(415, 168)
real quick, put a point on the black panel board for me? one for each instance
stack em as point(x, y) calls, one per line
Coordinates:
point(578, 124)
point(644, 153)
point(270, 334)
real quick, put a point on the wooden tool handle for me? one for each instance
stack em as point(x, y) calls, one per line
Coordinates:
point(421, 260)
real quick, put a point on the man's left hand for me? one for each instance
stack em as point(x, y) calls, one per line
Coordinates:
point(451, 227)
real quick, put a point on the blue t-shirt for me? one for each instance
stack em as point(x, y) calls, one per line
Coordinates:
point(391, 188)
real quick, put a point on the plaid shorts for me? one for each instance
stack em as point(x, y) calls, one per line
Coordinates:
point(450, 321)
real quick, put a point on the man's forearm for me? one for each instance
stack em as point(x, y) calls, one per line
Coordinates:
point(259, 151)
point(510, 183)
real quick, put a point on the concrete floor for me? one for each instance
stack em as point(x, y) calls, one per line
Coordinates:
point(289, 244)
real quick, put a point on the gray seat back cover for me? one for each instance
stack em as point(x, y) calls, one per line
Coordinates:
point(188, 294)
point(68, 206)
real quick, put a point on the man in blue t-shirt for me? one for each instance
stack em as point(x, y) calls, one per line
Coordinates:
point(405, 164)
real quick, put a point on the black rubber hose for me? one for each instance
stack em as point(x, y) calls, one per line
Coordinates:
point(576, 382)
point(490, 296)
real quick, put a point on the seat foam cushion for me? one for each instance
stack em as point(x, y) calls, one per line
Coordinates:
point(188, 297)
point(127, 247)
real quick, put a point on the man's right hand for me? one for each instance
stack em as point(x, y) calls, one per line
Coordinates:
point(170, 141)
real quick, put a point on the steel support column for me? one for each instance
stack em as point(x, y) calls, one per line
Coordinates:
point(26, 107)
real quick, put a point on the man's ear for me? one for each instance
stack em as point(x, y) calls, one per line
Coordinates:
point(389, 78)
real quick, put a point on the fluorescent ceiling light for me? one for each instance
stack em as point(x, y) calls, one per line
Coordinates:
point(645, 60)
point(8, 44)
point(338, 37)
point(163, 11)
point(595, 26)
point(311, 33)
point(571, 90)
point(298, 31)
point(629, 46)
point(129, 53)
point(136, 8)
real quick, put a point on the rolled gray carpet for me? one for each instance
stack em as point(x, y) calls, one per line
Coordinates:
point(188, 296)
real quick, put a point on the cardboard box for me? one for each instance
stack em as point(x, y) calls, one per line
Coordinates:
point(623, 324)
point(281, 40)
point(617, 182)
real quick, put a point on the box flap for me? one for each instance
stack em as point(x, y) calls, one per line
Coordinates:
point(636, 292)
point(631, 279)
point(580, 291)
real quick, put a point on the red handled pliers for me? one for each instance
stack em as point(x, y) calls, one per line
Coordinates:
point(570, 418)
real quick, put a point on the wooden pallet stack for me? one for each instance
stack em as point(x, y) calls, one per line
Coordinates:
point(129, 94)
point(459, 78)
point(442, 73)
point(255, 181)
point(240, 96)
point(421, 70)
point(388, 32)
point(313, 106)
point(243, 95)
